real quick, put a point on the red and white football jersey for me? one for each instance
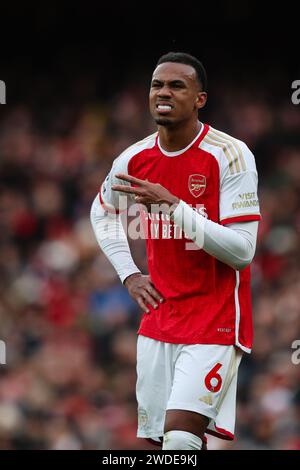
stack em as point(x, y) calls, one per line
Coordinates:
point(206, 301)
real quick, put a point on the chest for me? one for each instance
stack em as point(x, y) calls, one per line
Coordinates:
point(193, 177)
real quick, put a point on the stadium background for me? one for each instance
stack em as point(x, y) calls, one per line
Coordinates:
point(77, 81)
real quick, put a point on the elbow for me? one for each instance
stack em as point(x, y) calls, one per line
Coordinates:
point(240, 264)
point(244, 258)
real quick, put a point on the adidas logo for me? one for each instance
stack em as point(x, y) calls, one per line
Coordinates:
point(206, 399)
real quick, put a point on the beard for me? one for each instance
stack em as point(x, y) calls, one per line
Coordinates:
point(163, 122)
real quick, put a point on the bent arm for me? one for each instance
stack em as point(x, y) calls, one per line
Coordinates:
point(112, 239)
point(233, 244)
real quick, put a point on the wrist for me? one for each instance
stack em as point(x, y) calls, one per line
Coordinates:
point(174, 206)
point(130, 277)
point(173, 200)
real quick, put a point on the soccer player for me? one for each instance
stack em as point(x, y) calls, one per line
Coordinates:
point(197, 320)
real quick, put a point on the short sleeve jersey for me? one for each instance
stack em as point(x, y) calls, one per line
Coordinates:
point(206, 301)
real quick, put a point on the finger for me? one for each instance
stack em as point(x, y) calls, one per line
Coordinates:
point(141, 303)
point(152, 285)
point(130, 179)
point(154, 293)
point(125, 189)
point(149, 299)
point(140, 199)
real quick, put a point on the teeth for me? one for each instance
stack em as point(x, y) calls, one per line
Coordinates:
point(164, 107)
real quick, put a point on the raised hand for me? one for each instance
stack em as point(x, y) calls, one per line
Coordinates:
point(145, 192)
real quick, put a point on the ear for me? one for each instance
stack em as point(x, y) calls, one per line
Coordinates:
point(201, 99)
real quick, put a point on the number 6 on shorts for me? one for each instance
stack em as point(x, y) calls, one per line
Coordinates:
point(213, 374)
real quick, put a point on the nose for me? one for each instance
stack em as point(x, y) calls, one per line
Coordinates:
point(164, 92)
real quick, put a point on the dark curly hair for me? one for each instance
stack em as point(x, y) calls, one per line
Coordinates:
point(184, 58)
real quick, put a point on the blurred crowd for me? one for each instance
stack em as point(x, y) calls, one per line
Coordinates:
point(68, 323)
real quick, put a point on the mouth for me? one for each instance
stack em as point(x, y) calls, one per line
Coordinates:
point(164, 108)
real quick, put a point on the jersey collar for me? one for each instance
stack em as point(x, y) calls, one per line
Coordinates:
point(198, 137)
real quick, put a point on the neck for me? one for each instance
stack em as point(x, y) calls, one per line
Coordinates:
point(174, 138)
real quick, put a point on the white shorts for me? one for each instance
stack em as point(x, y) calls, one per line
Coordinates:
point(194, 377)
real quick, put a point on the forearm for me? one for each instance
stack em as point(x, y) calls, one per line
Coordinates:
point(112, 240)
point(233, 245)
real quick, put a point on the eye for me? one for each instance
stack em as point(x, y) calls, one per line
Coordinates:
point(177, 85)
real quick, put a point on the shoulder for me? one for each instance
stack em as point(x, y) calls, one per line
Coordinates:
point(230, 152)
point(124, 158)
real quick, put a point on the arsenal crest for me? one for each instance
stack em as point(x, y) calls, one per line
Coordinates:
point(197, 185)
